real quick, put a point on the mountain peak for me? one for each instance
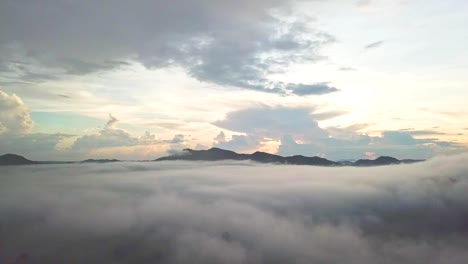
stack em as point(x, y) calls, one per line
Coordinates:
point(382, 160)
point(13, 159)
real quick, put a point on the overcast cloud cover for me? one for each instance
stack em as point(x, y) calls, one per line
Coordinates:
point(235, 212)
point(233, 43)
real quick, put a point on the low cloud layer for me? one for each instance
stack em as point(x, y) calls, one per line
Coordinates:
point(231, 212)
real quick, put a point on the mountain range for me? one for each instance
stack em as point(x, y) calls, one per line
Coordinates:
point(217, 154)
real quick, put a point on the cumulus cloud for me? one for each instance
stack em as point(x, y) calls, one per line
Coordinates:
point(108, 137)
point(37, 146)
point(352, 145)
point(272, 121)
point(231, 44)
point(177, 139)
point(114, 142)
point(15, 127)
point(14, 115)
point(235, 212)
point(241, 143)
point(299, 132)
point(261, 125)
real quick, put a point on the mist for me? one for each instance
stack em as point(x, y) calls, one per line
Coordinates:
point(234, 212)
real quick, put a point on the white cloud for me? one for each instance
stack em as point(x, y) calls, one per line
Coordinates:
point(273, 122)
point(236, 212)
point(114, 142)
point(14, 115)
point(109, 137)
point(299, 132)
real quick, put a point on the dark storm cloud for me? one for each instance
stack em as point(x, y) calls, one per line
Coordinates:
point(235, 212)
point(224, 42)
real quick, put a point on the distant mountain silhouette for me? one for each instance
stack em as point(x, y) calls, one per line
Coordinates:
point(100, 160)
point(382, 160)
point(12, 159)
point(215, 154)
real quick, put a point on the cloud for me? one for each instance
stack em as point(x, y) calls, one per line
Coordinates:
point(108, 137)
point(177, 139)
point(272, 122)
point(235, 212)
point(15, 131)
point(111, 123)
point(374, 45)
point(370, 155)
point(262, 125)
point(117, 142)
point(299, 132)
point(311, 89)
point(347, 68)
point(14, 115)
point(37, 146)
point(353, 145)
point(229, 44)
point(241, 143)
point(398, 138)
point(220, 138)
point(363, 3)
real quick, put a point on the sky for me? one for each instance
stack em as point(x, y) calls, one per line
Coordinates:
point(235, 212)
point(140, 79)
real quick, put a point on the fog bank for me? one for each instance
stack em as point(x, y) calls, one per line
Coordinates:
point(234, 212)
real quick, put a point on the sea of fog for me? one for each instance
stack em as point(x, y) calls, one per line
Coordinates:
point(234, 212)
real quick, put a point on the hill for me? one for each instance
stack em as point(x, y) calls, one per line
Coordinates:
point(12, 159)
point(216, 154)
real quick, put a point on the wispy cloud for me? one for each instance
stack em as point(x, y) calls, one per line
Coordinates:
point(363, 3)
point(374, 45)
point(347, 68)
